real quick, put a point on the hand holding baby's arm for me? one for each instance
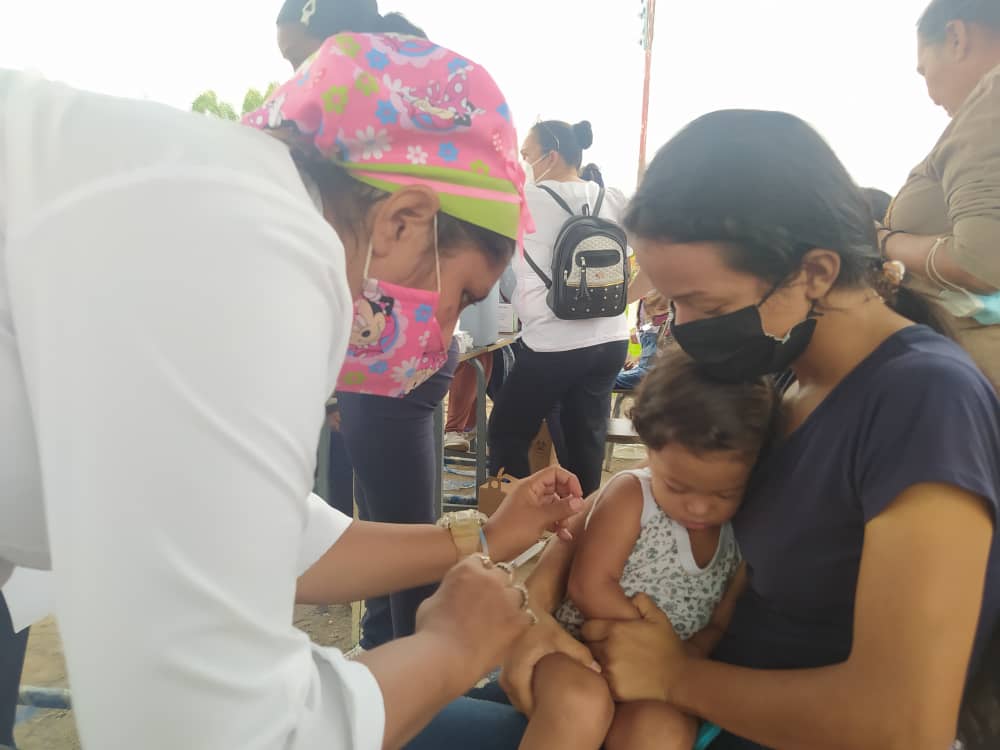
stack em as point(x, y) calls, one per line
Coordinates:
point(603, 550)
point(704, 641)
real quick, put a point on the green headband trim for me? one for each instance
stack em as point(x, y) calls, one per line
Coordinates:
point(499, 217)
point(475, 177)
point(502, 217)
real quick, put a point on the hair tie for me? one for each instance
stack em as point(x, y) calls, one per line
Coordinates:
point(308, 11)
point(887, 278)
point(894, 272)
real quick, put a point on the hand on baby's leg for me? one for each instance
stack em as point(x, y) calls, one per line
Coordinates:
point(573, 706)
point(651, 725)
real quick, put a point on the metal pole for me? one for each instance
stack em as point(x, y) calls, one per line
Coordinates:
point(439, 459)
point(649, 16)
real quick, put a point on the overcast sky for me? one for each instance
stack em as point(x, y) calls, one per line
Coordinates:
point(847, 67)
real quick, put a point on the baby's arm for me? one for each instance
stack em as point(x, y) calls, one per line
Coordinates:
point(704, 641)
point(604, 549)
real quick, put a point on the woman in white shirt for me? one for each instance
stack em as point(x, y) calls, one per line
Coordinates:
point(569, 365)
point(176, 298)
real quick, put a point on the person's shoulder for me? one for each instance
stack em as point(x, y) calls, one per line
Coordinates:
point(616, 198)
point(975, 122)
point(923, 414)
point(128, 140)
point(622, 494)
point(926, 385)
point(623, 488)
point(540, 200)
point(533, 192)
point(986, 94)
point(917, 361)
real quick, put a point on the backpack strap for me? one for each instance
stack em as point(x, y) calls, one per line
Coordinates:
point(534, 266)
point(600, 202)
point(558, 199)
point(541, 274)
point(565, 206)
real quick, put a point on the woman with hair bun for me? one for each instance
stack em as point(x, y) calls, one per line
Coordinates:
point(569, 365)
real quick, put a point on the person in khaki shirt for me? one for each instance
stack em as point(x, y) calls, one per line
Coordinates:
point(944, 224)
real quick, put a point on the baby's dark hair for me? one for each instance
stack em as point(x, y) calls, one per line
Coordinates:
point(676, 404)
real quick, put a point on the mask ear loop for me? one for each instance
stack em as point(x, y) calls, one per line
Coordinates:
point(811, 315)
point(368, 260)
point(437, 254)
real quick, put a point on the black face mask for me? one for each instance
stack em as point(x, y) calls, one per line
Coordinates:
point(735, 347)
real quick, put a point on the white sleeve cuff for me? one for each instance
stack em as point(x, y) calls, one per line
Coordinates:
point(357, 707)
point(324, 526)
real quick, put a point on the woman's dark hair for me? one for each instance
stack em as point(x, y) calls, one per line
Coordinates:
point(330, 17)
point(933, 23)
point(769, 189)
point(397, 23)
point(878, 201)
point(569, 141)
point(676, 404)
point(592, 173)
point(359, 198)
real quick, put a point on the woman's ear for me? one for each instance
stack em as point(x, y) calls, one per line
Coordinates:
point(402, 229)
point(957, 40)
point(403, 221)
point(820, 271)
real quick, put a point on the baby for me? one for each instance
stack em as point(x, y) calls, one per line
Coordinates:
point(662, 530)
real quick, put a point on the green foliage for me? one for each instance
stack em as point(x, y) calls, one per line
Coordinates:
point(208, 103)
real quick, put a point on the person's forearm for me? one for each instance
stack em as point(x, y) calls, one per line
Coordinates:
point(912, 250)
point(601, 599)
point(411, 703)
point(703, 642)
point(832, 708)
point(547, 582)
point(397, 557)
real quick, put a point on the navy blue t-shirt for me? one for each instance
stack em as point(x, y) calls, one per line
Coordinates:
point(916, 410)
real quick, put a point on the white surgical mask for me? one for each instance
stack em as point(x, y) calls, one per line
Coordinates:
point(529, 170)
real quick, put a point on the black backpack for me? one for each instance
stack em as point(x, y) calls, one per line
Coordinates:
point(589, 265)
